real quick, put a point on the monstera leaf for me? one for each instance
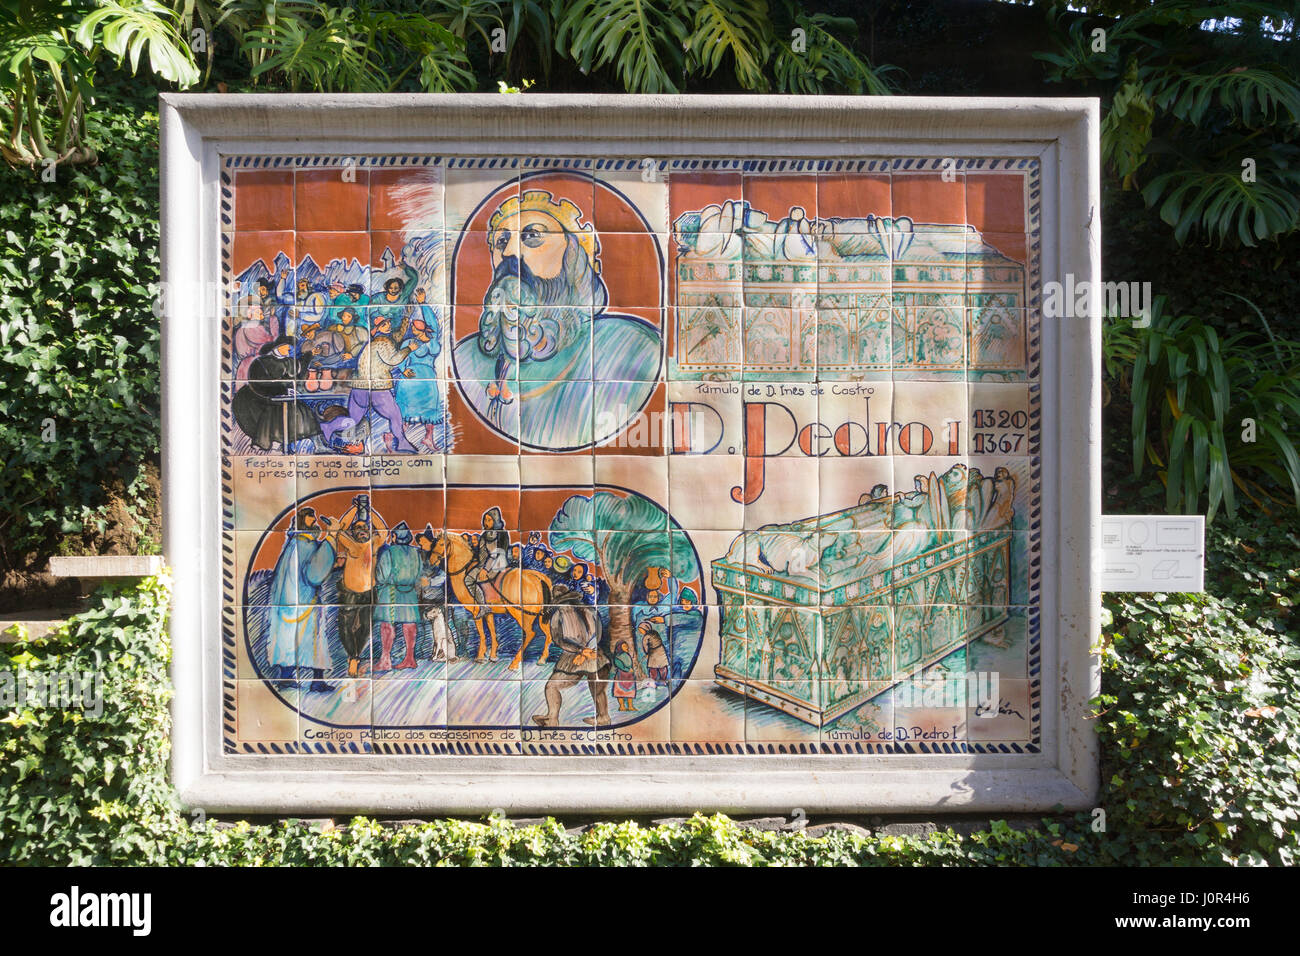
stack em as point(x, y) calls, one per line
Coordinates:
point(1126, 129)
point(732, 27)
point(129, 29)
point(644, 40)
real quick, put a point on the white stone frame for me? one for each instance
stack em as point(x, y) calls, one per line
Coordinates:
point(1062, 133)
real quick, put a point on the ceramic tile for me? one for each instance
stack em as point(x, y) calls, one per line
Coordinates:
point(999, 639)
point(999, 419)
point(857, 713)
point(1000, 712)
point(780, 419)
point(928, 198)
point(621, 426)
point(855, 420)
point(855, 326)
point(783, 714)
point(780, 342)
point(853, 567)
point(406, 198)
point(365, 413)
point(509, 642)
point(564, 193)
point(858, 643)
point(930, 492)
point(708, 344)
point(474, 194)
point(337, 718)
point(929, 336)
point(929, 567)
point(252, 556)
point(262, 490)
point(707, 259)
point(627, 346)
point(995, 202)
point(995, 263)
point(395, 276)
point(540, 469)
point(924, 635)
point(550, 704)
point(264, 199)
point(993, 554)
point(555, 414)
point(850, 483)
point(553, 343)
point(648, 478)
point(246, 624)
point(402, 705)
point(483, 703)
point(721, 556)
point(262, 717)
point(248, 331)
point(332, 199)
point(779, 490)
point(782, 197)
point(691, 191)
point(490, 426)
point(930, 716)
point(467, 652)
point(929, 418)
point(630, 271)
point(625, 201)
point(997, 339)
point(477, 483)
point(1000, 491)
point(693, 500)
point(707, 715)
point(261, 266)
point(778, 565)
point(706, 418)
point(846, 200)
point(476, 277)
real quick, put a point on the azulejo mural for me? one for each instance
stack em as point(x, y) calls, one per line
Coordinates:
point(582, 457)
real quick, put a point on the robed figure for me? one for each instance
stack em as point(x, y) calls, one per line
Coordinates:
point(265, 408)
point(296, 637)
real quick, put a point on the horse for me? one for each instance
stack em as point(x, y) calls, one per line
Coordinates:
point(524, 595)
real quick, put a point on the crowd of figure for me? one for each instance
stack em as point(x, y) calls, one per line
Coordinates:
point(318, 369)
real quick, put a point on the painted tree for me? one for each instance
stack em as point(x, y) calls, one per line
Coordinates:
point(631, 536)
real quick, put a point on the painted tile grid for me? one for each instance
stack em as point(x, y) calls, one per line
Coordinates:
point(790, 317)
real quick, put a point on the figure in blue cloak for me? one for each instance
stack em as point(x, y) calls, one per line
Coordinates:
point(297, 637)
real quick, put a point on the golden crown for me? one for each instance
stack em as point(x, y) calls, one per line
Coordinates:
point(563, 211)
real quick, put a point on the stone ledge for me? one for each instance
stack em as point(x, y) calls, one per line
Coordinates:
point(107, 566)
point(38, 622)
point(863, 826)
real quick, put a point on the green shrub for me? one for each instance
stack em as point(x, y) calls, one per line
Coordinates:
point(1202, 747)
point(80, 788)
point(79, 384)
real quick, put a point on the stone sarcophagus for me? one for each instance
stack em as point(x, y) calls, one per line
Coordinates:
point(821, 615)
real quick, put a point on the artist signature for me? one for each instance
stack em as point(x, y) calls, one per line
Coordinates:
point(1004, 707)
